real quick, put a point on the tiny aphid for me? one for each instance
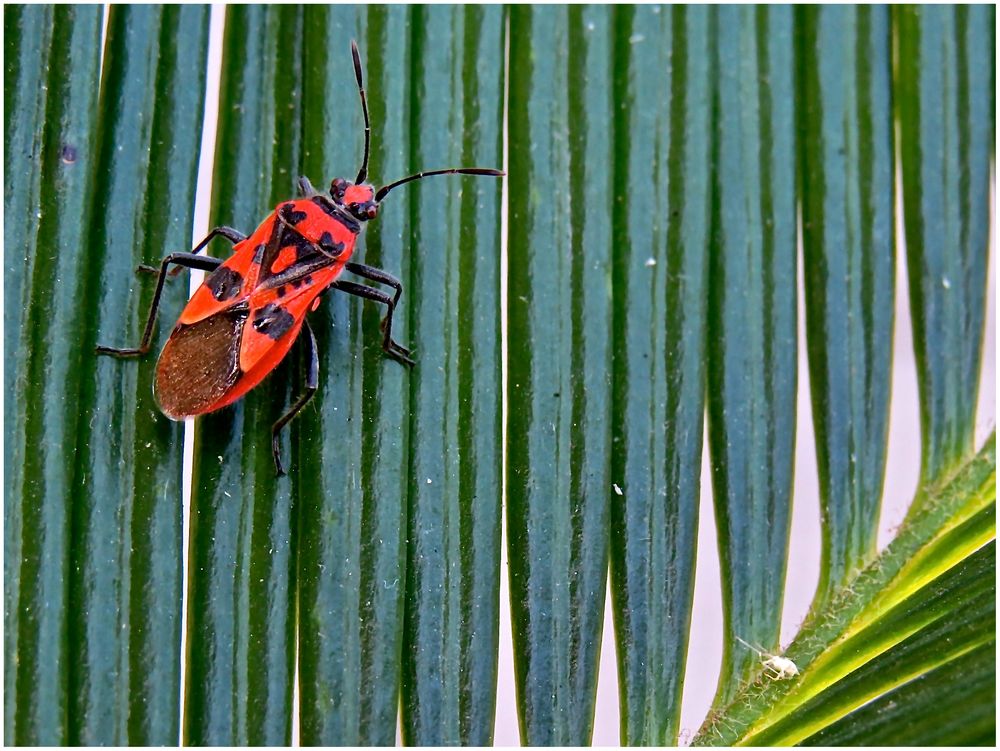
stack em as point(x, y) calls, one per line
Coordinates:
point(776, 667)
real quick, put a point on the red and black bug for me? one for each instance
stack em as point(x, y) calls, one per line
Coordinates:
point(243, 320)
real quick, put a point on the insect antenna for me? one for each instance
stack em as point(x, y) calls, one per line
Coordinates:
point(363, 172)
point(453, 171)
point(749, 646)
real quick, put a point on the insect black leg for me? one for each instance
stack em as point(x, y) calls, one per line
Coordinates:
point(181, 260)
point(383, 277)
point(395, 350)
point(377, 275)
point(312, 383)
point(234, 236)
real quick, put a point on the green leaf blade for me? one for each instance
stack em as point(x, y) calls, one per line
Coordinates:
point(752, 360)
point(241, 609)
point(916, 586)
point(846, 141)
point(127, 516)
point(663, 139)
point(925, 635)
point(352, 441)
point(50, 85)
point(453, 569)
point(944, 87)
point(952, 705)
point(559, 315)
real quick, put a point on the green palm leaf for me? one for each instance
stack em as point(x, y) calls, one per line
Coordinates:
point(752, 357)
point(846, 146)
point(916, 608)
point(558, 382)
point(51, 64)
point(656, 158)
point(95, 483)
point(661, 262)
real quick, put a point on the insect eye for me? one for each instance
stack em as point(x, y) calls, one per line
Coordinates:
point(337, 188)
point(372, 211)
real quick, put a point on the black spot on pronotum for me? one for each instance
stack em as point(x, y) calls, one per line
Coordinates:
point(273, 321)
point(282, 290)
point(224, 283)
point(67, 154)
point(327, 245)
point(290, 215)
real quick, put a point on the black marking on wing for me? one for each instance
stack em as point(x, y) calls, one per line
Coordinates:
point(290, 215)
point(328, 246)
point(284, 236)
point(200, 363)
point(293, 238)
point(273, 321)
point(225, 283)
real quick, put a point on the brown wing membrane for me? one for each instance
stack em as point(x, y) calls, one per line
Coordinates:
point(200, 363)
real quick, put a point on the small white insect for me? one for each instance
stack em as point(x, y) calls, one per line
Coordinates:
point(776, 667)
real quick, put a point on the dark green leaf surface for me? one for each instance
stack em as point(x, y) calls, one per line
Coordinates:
point(923, 632)
point(559, 326)
point(453, 564)
point(969, 589)
point(51, 65)
point(944, 90)
point(847, 175)
point(352, 441)
point(376, 560)
point(925, 581)
point(127, 510)
point(662, 180)
point(240, 659)
point(953, 705)
point(752, 326)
